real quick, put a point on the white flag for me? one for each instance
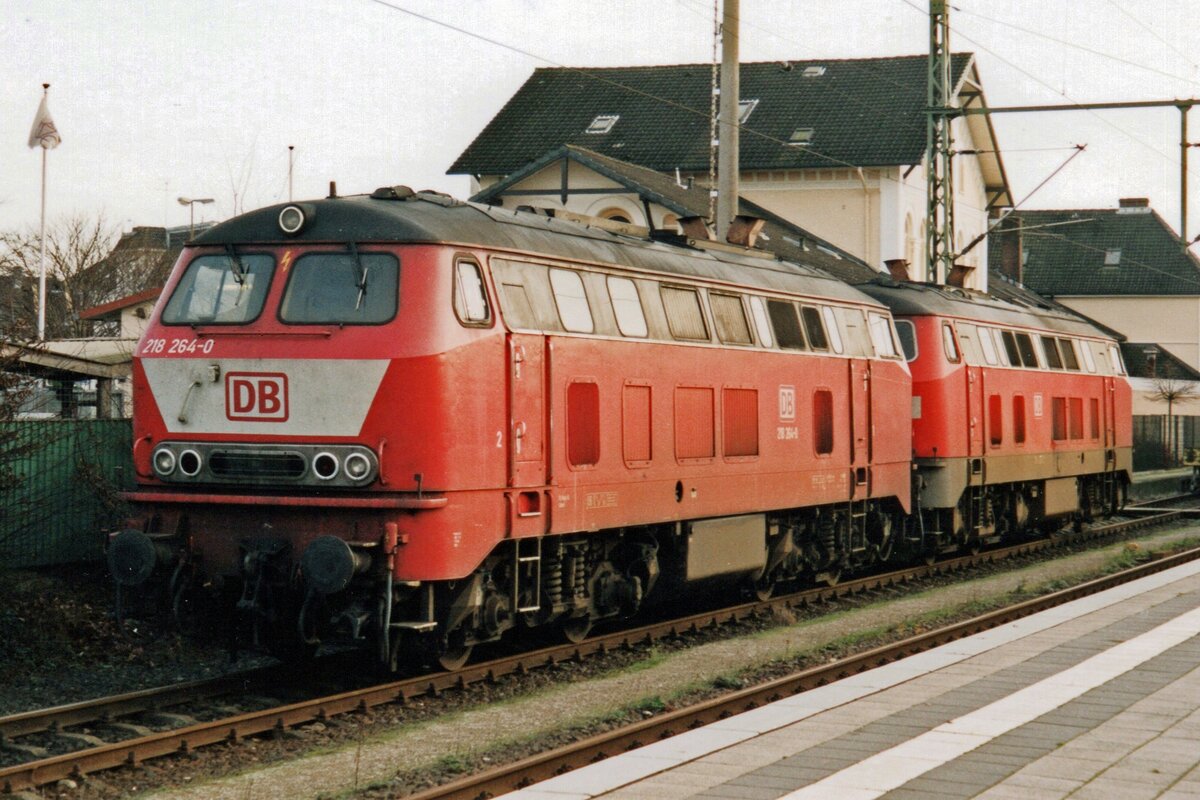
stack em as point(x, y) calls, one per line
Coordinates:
point(43, 133)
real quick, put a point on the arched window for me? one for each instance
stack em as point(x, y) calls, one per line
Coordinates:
point(615, 214)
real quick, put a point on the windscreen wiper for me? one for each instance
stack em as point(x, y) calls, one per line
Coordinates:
point(362, 276)
point(235, 261)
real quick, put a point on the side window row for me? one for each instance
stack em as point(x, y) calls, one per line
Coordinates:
point(544, 297)
point(1010, 348)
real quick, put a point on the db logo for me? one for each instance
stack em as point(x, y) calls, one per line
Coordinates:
point(257, 396)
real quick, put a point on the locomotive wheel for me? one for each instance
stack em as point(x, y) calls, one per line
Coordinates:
point(577, 629)
point(764, 589)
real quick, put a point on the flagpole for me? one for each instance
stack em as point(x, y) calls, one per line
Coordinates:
point(41, 320)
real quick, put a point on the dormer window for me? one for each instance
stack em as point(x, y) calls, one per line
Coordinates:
point(603, 123)
point(1112, 257)
point(801, 137)
point(745, 109)
point(813, 72)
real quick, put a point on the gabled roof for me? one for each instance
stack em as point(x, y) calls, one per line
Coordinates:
point(113, 309)
point(1155, 361)
point(787, 240)
point(862, 112)
point(1067, 250)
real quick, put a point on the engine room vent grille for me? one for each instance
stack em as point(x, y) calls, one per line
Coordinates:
point(257, 465)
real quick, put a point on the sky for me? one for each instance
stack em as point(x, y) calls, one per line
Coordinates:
point(156, 101)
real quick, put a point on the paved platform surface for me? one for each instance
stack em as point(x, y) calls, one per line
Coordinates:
point(1099, 698)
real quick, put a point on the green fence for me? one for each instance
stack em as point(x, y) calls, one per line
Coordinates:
point(1162, 442)
point(64, 477)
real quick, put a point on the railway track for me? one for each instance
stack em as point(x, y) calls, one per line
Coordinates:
point(134, 741)
point(545, 765)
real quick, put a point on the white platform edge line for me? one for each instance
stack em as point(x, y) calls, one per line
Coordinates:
point(898, 765)
point(881, 679)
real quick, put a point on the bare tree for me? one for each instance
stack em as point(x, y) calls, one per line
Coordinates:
point(74, 244)
point(1171, 390)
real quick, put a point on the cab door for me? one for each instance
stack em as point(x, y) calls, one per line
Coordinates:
point(527, 410)
point(860, 426)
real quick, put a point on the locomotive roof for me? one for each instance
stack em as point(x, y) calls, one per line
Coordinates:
point(396, 215)
point(925, 299)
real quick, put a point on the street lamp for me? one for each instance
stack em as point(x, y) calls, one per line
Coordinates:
point(191, 204)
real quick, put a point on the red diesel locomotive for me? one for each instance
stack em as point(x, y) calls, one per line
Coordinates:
point(420, 423)
point(1021, 416)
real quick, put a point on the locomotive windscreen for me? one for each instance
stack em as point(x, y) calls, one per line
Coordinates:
point(221, 289)
point(341, 288)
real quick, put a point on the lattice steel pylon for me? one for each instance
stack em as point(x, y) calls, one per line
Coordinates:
point(939, 143)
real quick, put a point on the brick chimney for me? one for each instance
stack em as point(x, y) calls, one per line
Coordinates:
point(1010, 242)
point(1134, 205)
point(898, 268)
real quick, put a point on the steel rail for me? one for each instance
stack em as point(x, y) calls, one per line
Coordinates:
point(183, 740)
point(525, 772)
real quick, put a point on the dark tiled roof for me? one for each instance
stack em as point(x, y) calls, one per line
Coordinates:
point(1003, 287)
point(1155, 361)
point(789, 241)
point(863, 112)
point(1068, 258)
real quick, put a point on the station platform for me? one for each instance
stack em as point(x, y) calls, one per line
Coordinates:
point(1097, 698)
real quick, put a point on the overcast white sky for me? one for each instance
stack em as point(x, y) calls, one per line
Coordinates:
point(157, 100)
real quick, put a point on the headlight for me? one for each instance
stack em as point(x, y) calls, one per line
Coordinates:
point(189, 463)
point(357, 466)
point(325, 466)
point(164, 461)
point(292, 219)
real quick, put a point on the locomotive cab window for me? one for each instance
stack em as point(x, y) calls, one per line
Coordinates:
point(470, 298)
point(224, 289)
point(684, 315)
point(988, 345)
point(814, 327)
point(1010, 348)
point(627, 308)
point(1114, 356)
point(1070, 360)
point(831, 327)
point(908, 338)
point(573, 308)
point(786, 325)
point(1089, 360)
point(729, 315)
point(761, 324)
point(1050, 350)
point(1001, 343)
point(949, 344)
point(881, 335)
point(347, 288)
point(1028, 354)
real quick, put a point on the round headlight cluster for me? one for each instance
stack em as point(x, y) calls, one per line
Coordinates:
point(325, 466)
point(293, 218)
point(164, 462)
point(357, 466)
point(190, 463)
